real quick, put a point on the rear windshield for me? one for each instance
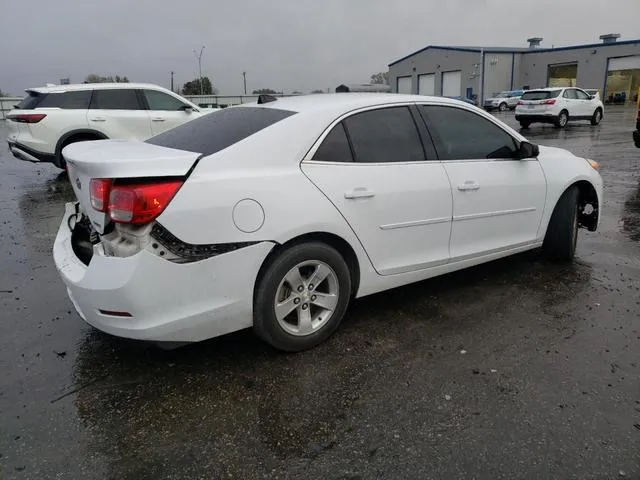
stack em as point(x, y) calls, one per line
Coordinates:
point(541, 94)
point(218, 130)
point(31, 100)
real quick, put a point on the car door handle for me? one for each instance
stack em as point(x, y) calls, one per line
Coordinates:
point(98, 119)
point(157, 119)
point(469, 185)
point(359, 193)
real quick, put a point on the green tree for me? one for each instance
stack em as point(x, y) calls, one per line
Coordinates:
point(93, 78)
point(380, 78)
point(317, 91)
point(193, 87)
point(264, 91)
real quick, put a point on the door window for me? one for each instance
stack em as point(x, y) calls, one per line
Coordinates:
point(162, 101)
point(115, 99)
point(582, 95)
point(384, 135)
point(335, 147)
point(463, 135)
point(570, 94)
point(68, 100)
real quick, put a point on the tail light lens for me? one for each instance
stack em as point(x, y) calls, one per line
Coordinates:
point(520, 103)
point(141, 203)
point(26, 117)
point(549, 102)
point(100, 188)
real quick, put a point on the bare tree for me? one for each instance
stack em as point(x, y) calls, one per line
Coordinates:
point(380, 78)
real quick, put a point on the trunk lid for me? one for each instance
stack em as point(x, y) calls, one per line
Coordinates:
point(120, 159)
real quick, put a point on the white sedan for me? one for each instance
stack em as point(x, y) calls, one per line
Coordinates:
point(274, 215)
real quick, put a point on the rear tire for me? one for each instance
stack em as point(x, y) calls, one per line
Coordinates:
point(563, 119)
point(562, 233)
point(597, 117)
point(314, 311)
point(525, 124)
point(59, 160)
point(503, 107)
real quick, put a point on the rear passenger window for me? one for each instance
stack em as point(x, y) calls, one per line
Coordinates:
point(464, 135)
point(115, 99)
point(335, 147)
point(570, 94)
point(67, 100)
point(384, 135)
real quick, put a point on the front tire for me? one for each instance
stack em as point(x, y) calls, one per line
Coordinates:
point(597, 117)
point(562, 233)
point(301, 296)
point(503, 107)
point(563, 119)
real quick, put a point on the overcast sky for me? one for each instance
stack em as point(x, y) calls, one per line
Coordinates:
point(281, 44)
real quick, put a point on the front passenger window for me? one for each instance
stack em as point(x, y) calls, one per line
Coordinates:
point(162, 101)
point(464, 135)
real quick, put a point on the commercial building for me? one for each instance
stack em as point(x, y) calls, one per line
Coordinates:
point(611, 66)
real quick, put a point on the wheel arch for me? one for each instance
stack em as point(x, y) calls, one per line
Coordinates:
point(340, 244)
point(68, 138)
point(587, 195)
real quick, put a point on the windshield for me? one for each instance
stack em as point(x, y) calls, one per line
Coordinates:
point(540, 94)
point(503, 95)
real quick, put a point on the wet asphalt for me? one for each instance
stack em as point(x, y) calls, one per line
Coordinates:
point(515, 369)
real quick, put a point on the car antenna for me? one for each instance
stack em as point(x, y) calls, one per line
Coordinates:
point(266, 99)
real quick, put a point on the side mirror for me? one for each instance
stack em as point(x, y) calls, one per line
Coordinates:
point(591, 97)
point(528, 150)
point(187, 108)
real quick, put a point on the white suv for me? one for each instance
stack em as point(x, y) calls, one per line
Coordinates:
point(558, 106)
point(50, 118)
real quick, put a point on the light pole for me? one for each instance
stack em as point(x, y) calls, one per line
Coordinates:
point(172, 73)
point(244, 77)
point(199, 57)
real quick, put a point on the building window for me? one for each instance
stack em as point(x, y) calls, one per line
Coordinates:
point(562, 75)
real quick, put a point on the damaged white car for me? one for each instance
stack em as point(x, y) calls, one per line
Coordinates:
point(274, 215)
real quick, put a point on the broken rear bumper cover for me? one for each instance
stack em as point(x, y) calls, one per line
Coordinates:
point(147, 297)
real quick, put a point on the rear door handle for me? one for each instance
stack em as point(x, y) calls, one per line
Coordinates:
point(157, 119)
point(469, 185)
point(98, 119)
point(359, 193)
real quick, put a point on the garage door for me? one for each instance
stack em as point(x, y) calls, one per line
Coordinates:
point(404, 84)
point(624, 63)
point(427, 84)
point(451, 84)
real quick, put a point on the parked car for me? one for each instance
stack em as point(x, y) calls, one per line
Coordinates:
point(558, 106)
point(503, 100)
point(274, 215)
point(50, 118)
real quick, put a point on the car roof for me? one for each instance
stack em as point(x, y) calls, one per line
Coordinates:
point(548, 89)
point(93, 86)
point(338, 103)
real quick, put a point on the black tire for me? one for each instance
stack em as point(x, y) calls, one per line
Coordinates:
point(59, 160)
point(562, 233)
point(265, 323)
point(525, 124)
point(597, 116)
point(563, 119)
point(503, 107)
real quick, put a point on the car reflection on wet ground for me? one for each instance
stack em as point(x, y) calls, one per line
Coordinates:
point(514, 369)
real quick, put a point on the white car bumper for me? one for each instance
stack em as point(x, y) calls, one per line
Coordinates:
point(166, 301)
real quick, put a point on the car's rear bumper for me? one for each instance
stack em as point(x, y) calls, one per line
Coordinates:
point(636, 138)
point(23, 152)
point(536, 117)
point(164, 301)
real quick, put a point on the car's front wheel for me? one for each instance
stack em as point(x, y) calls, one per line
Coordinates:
point(525, 124)
point(301, 296)
point(562, 233)
point(502, 107)
point(597, 117)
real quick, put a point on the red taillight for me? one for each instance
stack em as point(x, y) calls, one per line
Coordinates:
point(26, 117)
point(100, 188)
point(549, 102)
point(141, 203)
point(520, 103)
